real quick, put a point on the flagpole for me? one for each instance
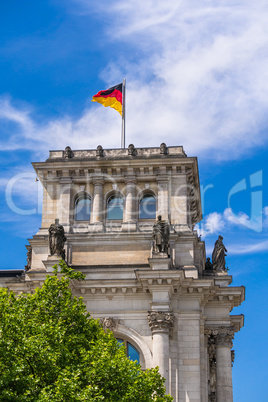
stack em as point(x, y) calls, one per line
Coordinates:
point(123, 113)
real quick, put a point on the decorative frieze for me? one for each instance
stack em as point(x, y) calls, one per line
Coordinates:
point(160, 321)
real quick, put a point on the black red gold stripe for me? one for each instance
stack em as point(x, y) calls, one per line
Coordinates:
point(110, 97)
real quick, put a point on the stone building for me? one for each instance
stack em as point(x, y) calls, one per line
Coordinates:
point(148, 282)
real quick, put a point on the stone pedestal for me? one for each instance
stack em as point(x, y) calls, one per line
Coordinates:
point(51, 261)
point(160, 261)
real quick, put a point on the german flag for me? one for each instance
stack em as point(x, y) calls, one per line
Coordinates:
point(110, 97)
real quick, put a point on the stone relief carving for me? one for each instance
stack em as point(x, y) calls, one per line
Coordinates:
point(215, 337)
point(218, 255)
point(56, 239)
point(29, 258)
point(161, 321)
point(68, 153)
point(163, 149)
point(161, 236)
point(109, 323)
point(99, 150)
point(131, 150)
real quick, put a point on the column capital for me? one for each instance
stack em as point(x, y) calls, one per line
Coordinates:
point(98, 181)
point(222, 336)
point(225, 337)
point(160, 321)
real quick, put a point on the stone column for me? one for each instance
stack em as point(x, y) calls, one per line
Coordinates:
point(130, 213)
point(161, 324)
point(163, 203)
point(224, 364)
point(98, 203)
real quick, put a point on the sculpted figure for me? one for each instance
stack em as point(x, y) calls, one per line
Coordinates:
point(131, 150)
point(161, 236)
point(99, 150)
point(68, 153)
point(57, 239)
point(163, 149)
point(218, 255)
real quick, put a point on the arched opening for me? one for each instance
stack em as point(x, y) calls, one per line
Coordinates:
point(115, 204)
point(82, 208)
point(131, 351)
point(147, 207)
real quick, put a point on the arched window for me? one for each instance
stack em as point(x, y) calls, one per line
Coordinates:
point(82, 208)
point(147, 207)
point(132, 352)
point(115, 205)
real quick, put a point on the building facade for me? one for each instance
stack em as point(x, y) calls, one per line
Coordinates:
point(162, 300)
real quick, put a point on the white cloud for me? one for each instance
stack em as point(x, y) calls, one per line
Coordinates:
point(200, 79)
point(201, 74)
point(243, 219)
point(213, 223)
point(248, 248)
point(218, 222)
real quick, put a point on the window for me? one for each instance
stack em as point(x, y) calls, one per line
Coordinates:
point(115, 205)
point(147, 207)
point(132, 352)
point(82, 208)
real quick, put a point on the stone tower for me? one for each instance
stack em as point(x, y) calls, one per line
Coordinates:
point(125, 218)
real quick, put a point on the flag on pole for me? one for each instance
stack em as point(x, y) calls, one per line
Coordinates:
point(111, 97)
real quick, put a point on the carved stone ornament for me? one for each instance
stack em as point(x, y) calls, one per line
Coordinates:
point(160, 321)
point(225, 338)
point(212, 378)
point(161, 236)
point(232, 357)
point(222, 335)
point(163, 149)
point(29, 258)
point(216, 336)
point(56, 239)
point(131, 150)
point(109, 323)
point(68, 153)
point(99, 150)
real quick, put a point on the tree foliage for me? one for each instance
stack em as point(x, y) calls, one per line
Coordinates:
point(52, 350)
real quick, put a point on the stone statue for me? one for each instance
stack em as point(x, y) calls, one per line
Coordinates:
point(57, 239)
point(99, 151)
point(218, 255)
point(163, 149)
point(208, 265)
point(68, 153)
point(131, 150)
point(161, 236)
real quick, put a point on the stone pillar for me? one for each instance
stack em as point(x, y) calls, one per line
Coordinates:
point(130, 213)
point(64, 206)
point(98, 203)
point(161, 324)
point(224, 365)
point(163, 203)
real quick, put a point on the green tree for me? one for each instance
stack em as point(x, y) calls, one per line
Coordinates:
point(52, 350)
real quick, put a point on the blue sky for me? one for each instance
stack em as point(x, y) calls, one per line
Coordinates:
point(197, 76)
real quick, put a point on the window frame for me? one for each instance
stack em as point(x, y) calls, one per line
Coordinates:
point(111, 196)
point(144, 195)
point(78, 198)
